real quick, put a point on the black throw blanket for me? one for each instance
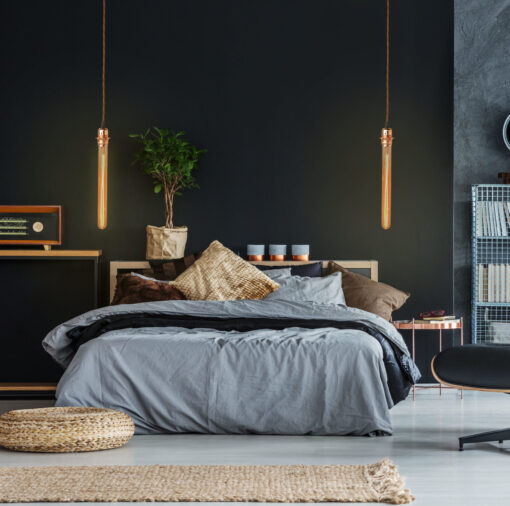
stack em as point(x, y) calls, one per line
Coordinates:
point(402, 372)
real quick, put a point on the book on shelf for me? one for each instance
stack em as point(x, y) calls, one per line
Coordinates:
point(502, 218)
point(492, 218)
point(480, 230)
point(493, 283)
point(482, 283)
point(496, 296)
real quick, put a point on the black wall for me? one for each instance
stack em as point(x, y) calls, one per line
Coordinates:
point(286, 95)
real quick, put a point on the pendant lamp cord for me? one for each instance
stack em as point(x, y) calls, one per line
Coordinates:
point(387, 63)
point(104, 66)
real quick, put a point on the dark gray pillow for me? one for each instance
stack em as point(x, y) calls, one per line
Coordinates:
point(304, 270)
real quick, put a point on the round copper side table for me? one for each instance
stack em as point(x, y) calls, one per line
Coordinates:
point(440, 326)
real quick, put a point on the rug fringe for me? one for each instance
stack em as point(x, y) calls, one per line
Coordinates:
point(387, 483)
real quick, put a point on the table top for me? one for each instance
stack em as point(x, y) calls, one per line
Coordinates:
point(53, 253)
point(446, 325)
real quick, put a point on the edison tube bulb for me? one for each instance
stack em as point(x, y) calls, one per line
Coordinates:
point(386, 142)
point(102, 177)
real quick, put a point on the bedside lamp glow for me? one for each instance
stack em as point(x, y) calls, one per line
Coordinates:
point(102, 177)
point(386, 142)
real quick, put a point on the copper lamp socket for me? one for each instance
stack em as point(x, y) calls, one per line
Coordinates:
point(255, 258)
point(277, 258)
point(386, 137)
point(102, 137)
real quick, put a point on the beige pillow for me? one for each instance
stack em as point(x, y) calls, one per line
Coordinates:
point(219, 274)
point(363, 293)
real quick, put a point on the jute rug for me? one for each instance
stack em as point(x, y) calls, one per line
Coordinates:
point(379, 482)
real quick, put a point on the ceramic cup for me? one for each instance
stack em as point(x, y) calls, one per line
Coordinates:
point(255, 252)
point(301, 252)
point(277, 252)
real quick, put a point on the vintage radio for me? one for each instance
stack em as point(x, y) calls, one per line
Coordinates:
point(31, 225)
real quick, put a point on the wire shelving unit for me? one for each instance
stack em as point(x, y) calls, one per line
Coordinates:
point(490, 238)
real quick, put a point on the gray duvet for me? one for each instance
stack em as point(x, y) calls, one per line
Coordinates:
point(293, 381)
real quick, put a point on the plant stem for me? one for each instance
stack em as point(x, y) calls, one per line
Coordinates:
point(170, 211)
point(169, 200)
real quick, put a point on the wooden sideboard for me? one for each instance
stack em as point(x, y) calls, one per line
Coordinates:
point(40, 289)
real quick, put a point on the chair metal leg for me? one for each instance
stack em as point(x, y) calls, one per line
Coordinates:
point(485, 437)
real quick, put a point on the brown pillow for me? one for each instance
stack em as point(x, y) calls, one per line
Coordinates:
point(363, 293)
point(219, 274)
point(133, 289)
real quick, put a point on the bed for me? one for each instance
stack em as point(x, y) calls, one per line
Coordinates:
point(236, 367)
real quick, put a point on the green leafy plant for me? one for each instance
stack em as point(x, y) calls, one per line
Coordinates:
point(169, 160)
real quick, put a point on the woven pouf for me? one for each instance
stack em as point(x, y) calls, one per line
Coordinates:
point(66, 429)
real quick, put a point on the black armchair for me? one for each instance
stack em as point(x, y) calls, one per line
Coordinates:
point(483, 367)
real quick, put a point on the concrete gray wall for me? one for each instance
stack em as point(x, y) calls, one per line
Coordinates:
point(481, 104)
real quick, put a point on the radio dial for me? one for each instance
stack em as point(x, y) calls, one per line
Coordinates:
point(38, 226)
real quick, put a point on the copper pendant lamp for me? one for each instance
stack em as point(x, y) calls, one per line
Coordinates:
point(386, 139)
point(102, 144)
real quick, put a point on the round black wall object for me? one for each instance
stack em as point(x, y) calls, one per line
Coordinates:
point(506, 132)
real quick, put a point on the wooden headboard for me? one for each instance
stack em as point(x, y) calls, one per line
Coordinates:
point(369, 268)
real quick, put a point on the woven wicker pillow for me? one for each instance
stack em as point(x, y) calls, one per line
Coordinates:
point(219, 274)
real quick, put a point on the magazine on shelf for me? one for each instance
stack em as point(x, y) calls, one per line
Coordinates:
point(479, 227)
point(492, 218)
point(485, 219)
point(502, 207)
point(506, 209)
point(507, 282)
point(492, 230)
point(489, 219)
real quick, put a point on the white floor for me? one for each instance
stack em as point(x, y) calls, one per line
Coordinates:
point(424, 446)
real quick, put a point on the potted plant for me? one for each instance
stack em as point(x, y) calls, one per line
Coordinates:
point(169, 160)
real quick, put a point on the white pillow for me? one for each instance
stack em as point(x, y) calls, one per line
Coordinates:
point(324, 290)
